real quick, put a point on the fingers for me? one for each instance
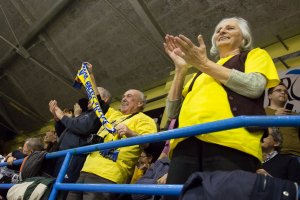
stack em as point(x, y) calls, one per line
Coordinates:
point(186, 41)
point(121, 129)
point(170, 43)
point(201, 41)
point(179, 53)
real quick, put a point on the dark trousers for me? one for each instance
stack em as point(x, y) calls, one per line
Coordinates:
point(92, 178)
point(193, 155)
point(73, 171)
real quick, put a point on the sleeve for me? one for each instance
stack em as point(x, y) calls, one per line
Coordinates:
point(294, 170)
point(104, 106)
point(59, 128)
point(145, 125)
point(81, 125)
point(173, 108)
point(258, 60)
point(250, 85)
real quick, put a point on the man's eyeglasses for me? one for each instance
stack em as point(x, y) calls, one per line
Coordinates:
point(280, 91)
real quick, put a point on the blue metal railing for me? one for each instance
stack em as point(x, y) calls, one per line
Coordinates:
point(236, 122)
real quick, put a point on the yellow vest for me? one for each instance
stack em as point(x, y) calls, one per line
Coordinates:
point(208, 102)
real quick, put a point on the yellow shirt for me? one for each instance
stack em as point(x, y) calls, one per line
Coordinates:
point(119, 171)
point(208, 102)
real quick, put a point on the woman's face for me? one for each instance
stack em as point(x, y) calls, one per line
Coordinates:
point(228, 35)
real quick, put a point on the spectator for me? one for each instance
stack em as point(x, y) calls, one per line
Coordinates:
point(156, 172)
point(10, 173)
point(278, 97)
point(147, 158)
point(30, 145)
point(76, 132)
point(50, 141)
point(231, 87)
point(81, 105)
point(101, 167)
point(275, 164)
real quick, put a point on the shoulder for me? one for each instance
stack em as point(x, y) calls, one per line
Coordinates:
point(258, 52)
point(113, 113)
point(145, 117)
point(270, 111)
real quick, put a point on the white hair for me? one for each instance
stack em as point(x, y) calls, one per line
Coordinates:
point(246, 33)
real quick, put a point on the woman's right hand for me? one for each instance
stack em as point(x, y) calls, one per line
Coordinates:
point(170, 49)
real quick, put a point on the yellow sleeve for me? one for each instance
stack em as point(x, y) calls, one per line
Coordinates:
point(137, 174)
point(258, 60)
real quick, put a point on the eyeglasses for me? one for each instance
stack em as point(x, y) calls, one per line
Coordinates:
point(280, 91)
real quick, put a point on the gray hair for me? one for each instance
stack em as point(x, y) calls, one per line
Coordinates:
point(245, 29)
point(34, 144)
point(276, 137)
point(141, 98)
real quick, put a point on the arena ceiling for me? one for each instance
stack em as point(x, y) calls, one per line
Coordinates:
point(43, 43)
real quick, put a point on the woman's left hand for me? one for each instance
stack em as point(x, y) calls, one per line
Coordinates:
point(192, 54)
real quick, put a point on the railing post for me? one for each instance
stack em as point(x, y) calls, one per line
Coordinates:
point(61, 175)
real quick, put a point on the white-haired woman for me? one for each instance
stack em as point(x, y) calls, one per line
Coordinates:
point(231, 87)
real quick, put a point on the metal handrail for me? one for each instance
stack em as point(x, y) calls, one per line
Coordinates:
point(236, 122)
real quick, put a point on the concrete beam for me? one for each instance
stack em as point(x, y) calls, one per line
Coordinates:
point(35, 29)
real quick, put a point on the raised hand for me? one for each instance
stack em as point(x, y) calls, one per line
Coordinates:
point(192, 54)
point(52, 105)
point(171, 49)
point(89, 67)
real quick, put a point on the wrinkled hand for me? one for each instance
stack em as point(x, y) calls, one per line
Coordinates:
point(170, 48)
point(192, 54)
point(282, 111)
point(122, 129)
point(163, 179)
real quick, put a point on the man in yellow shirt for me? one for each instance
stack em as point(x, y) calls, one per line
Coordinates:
point(117, 165)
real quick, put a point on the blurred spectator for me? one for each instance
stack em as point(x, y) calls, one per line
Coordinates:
point(278, 97)
point(10, 174)
point(157, 170)
point(148, 156)
point(275, 164)
point(77, 130)
point(50, 141)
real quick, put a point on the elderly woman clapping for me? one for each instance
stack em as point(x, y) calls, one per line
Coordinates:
point(232, 86)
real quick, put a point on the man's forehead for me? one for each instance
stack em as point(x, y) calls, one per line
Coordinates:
point(132, 92)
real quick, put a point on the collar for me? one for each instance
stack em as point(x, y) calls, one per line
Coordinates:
point(270, 156)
